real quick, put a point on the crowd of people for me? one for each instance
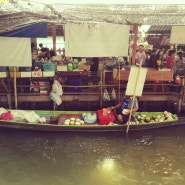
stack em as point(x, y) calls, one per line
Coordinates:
point(169, 58)
point(41, 52)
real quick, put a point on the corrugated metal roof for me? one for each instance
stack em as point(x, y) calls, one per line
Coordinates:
point(160, 30)
point(18, 13)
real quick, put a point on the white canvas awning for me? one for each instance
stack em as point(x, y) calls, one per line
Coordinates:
point(15, 51)
point(97, 40)
point(177, 35)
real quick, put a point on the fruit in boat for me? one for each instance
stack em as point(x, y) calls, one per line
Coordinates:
point(81, 122)
point(147, 119)
point(77, 123)
point(66, 123)
point(165, 116)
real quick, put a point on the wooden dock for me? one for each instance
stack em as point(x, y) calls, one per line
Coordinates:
point(159, 87)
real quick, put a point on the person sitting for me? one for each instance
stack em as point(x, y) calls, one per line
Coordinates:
point(44, 52)
point(123, 109)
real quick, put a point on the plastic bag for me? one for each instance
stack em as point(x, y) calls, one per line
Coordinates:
point(31, 117)
point(18, 114)
point(106, 96)
point(57, 88)
point(56, 98)
point(56, 92)
point(113, 94)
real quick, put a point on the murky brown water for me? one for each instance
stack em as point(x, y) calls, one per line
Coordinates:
point(147, 157)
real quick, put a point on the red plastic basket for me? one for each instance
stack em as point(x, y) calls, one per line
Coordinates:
point(105, 120)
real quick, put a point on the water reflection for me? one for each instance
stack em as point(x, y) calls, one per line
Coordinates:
point(149, 157)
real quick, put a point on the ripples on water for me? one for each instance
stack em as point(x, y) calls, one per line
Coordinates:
point(147, 157)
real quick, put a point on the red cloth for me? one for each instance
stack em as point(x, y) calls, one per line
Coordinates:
point(6, 116)
point(170, 62)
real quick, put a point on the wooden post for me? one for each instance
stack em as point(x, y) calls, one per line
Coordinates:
point(54, 36)
point(15, 87)
point(119, 83)
point(9, 101)
point(181, 98)
point(134, 44)
point(101, 88)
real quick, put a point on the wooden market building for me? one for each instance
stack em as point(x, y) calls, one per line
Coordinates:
point(159, 85)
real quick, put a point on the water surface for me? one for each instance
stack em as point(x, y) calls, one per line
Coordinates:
point(139, 158)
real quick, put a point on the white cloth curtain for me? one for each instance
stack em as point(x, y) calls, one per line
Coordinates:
point(15, 51)
point(96, 40)
point(177, 35)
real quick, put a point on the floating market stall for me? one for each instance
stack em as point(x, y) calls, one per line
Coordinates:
point(84, 121)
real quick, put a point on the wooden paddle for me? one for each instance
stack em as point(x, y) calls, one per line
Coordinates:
point(132, 103)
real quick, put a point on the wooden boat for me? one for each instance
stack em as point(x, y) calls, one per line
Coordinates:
point(56, 119)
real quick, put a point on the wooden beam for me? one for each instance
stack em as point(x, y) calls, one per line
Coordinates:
point(134, 44)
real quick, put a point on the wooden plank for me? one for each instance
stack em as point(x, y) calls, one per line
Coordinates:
point(152, 75)
point(155, 75)
point(124, 75)
point(40, 98)
point(159, 97)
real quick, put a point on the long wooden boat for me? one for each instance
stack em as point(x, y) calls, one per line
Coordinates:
point(55, 122)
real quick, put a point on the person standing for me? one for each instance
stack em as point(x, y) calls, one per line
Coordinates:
point(94, 69)
point(170, 61)
point(141, 56)
point(153, 59)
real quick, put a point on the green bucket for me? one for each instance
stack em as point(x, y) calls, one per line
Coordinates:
point(70, 67)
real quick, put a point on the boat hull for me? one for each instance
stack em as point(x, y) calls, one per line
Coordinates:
point(55, 127)
point(88, 128)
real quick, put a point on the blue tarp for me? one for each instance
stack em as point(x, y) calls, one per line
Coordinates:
point(32, 31)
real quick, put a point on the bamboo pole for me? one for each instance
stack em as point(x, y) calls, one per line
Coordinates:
point(132, 104)
point(15, 87)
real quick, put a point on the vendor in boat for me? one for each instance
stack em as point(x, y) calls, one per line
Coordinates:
point(123, 109)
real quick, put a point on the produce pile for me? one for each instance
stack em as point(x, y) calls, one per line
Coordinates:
point(74, 121)
point(85, 118)
point(155, 117)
